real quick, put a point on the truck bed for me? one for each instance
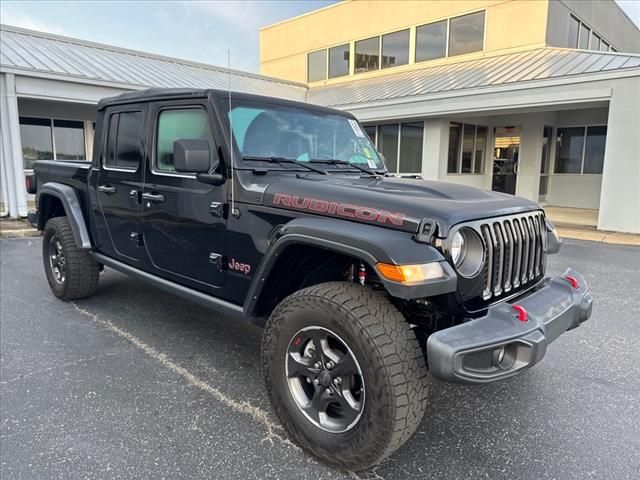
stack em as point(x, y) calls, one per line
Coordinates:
point(72, 173)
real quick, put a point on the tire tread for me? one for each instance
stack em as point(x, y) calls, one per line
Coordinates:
point(82, 271)
point(387, 331)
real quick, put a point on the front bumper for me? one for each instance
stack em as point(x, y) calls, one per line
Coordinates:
point(500, 345)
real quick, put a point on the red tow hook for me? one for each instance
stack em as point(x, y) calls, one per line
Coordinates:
point(523, 316)
point(573, 281)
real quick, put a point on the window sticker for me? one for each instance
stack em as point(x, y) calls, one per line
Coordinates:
point(356, 128)
point(372, 163)
point(367, 152)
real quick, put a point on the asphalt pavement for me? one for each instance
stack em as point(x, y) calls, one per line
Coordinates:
point(137, 383)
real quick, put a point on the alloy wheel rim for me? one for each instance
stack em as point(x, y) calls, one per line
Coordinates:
point(325, 379)
point(57, 261)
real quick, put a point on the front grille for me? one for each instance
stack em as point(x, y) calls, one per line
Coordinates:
point(515, 249)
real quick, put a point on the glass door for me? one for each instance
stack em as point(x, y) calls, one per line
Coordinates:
point(506, 157)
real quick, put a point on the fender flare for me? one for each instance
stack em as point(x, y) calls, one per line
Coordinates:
point(72, 207)
point(369, 243)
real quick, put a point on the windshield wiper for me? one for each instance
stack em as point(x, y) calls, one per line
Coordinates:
point(275, 159)
point(334, 161)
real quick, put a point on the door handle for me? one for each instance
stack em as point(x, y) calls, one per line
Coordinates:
point(108, 189)
point(153, 197)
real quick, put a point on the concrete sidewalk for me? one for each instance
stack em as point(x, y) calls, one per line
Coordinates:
point(581, 224)
point(12, 228)
point(594, 235)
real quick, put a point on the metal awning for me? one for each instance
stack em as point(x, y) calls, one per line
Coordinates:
point(499, 70)
point(34, 52)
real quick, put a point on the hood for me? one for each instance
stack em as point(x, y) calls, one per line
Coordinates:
point(391, 202)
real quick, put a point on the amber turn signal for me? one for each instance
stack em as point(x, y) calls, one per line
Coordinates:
point(410, 274)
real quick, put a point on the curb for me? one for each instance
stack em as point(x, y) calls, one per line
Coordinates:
point(19, 233)
point(613, 238)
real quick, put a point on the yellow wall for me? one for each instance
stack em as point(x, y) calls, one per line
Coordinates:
point(510, 24)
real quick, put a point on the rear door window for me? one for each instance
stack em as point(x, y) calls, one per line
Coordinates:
point(124, 142)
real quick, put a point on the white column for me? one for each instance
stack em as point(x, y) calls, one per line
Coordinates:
point(4, 188)
point(620, 193)
point(12, 166)
point(530, 157)
point(435, 148)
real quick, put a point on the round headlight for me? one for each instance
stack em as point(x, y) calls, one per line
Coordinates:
point(457, 247)
point(467, 252)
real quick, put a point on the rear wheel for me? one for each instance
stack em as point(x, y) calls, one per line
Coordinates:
point(345, 373)
point(71, 272)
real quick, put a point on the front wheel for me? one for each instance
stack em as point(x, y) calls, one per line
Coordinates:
point(345, 373)
point(71, 272)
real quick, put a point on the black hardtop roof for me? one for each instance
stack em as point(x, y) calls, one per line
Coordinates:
point(152, 94)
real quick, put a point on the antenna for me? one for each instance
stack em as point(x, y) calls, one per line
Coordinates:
point(233, 200)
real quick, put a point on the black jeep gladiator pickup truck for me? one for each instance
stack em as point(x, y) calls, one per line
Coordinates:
point(283, 213)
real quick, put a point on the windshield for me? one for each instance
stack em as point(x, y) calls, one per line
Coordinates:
point(271, 130)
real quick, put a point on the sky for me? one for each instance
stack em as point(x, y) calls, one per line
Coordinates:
point(202, 31)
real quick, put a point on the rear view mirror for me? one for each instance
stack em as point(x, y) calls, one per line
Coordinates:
point(191, 156)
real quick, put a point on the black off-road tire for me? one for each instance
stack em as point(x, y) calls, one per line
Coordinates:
point(81, 270)
point(393, 370)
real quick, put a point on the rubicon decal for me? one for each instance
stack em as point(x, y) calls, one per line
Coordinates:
point(345, 210)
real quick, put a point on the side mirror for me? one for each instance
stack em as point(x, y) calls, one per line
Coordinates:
point(191, 156)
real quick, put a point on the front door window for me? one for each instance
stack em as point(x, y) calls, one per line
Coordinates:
point(506, 157)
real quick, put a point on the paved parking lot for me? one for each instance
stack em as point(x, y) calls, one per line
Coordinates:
point(136, 383)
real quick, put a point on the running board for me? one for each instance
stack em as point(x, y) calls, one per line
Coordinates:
point(171, 287)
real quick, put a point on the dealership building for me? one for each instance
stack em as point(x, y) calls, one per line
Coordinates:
point(538, 99)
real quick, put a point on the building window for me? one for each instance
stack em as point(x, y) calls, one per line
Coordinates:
point(547, 143)
point(455, 134)
point(317, 66)
point(467, 144)
point(371, 131)
point(583, 40)
point(388, 145)
point(190, 123)
point(51, 139)
point(468, 135)
point(401, 144)
point(574, 28)
point(466, 34)
point(580, 35)
point(69, 140)
point(594, 149)
point(339, 61)
point(580, 150)
point(411, 147)
point(395, 49)
point(431, 41)
point(37, 140)
point(569, 149)
point(480, 146)
point(124, 141)
point(368, 55)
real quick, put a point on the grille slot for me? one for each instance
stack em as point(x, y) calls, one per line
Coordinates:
point(514, 252)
